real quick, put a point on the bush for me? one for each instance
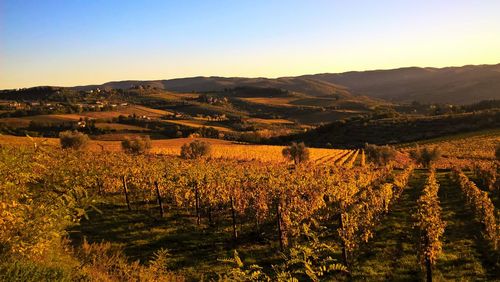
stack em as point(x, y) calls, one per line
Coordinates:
point(195, 150)
point(29, 271)
point(380, 155)
point(425, 156)
point(136, 145)
point(73, 140)
point(497, 152)
point(296, 152)
point(105, 262)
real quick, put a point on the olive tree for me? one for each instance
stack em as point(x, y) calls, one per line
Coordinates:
point(296, 152)
point(195, 150)
point(136, 145)
point(73, 140)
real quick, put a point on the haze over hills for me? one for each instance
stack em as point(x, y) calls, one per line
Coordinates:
point(454, 85)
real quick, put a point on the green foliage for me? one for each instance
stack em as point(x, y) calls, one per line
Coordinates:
point(195, 150)
point(240, 272)
point(380, 155)
point(38, 200)
point(73, 140)
point(312, 260)
point(29, 271)
point(104, 262)
point(136, 145)
point(296, 152)
point(425, 156)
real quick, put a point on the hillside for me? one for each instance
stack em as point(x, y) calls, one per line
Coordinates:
point(454, 85)
point(214, 84)
point(355, 132)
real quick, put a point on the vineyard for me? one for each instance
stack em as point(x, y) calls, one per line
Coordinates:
point(243, 213)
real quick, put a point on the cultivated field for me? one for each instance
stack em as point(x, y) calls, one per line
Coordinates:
point(219, 149)
point(340, 215)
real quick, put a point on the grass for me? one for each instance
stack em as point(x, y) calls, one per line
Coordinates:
point(194, 250)
point(277, 101)
point(391, 254)
point(197, 124)
point(106, 115)
point(269, 121)
point(119, 126)
point(463, 248)
point(220, 148)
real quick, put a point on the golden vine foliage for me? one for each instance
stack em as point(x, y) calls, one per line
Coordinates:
point(488, 174)
point(429, 222)
point(40, 195)
point(360, 216)
point(483, 208)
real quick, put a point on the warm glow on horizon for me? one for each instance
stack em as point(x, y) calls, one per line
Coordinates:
point(92, 42)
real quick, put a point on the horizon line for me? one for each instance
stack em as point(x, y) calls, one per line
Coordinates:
point(255, 77)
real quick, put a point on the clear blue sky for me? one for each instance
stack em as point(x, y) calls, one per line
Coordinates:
point(74, 42)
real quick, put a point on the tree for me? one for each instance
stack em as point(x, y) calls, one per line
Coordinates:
point(380, 155)
point(73, 140)
point(195, 150)
point(136, 145)
point(296, 152)
point(425, 156)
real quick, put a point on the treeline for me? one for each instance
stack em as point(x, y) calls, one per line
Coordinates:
point(356, 131)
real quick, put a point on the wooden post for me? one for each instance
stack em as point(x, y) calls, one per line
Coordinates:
point(344, 251)
point(158, 196)
point(278, 221)
point(99, 187)
point(429, 269)
point(233, 215)
point(125, 191)
point(197, 205)
point(209, 211)
point(428, 264)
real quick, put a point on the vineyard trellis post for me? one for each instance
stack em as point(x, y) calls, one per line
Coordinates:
point(158, 196)
point(233, 216)
point(344, 250)
point(125, 191)
point(278, 222)
point(197, 204)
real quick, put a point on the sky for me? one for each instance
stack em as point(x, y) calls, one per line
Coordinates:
point(79, 42)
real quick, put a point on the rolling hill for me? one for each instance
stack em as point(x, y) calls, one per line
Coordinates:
point(300, 85)
point(454, 85)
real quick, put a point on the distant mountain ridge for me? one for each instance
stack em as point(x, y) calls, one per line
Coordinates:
point(454, 85)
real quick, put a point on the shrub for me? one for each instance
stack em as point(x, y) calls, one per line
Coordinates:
point(105, 262)
point(425, 156)
point(73, 140)
point(380, 155)
point(29, 271)
point(195, 150)
point(296, 152)
point(136, 145)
